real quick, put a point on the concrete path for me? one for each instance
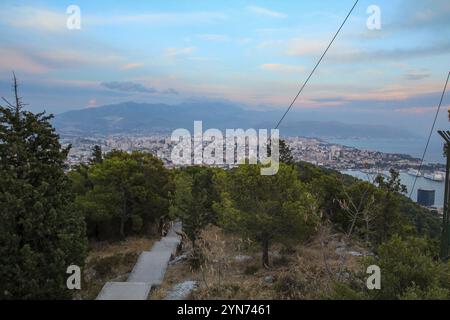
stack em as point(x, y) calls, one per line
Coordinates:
point(151, 267)
point(124, 291)
point(148, 272)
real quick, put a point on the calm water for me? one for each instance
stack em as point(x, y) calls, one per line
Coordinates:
point(408, 181)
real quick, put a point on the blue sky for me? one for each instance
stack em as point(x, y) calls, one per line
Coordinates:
point(251, 52)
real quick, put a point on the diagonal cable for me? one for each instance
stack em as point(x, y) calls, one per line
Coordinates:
point(317, 65)
point(429, 136)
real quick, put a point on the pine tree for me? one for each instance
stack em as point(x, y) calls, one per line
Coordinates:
point(389, 221)
point(266, 209)
point(193, 201)
point(120, 190)
point(286, 153)
point(40, 233)
point(97, 155)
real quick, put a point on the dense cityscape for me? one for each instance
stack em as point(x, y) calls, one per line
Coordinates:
point(311, 150)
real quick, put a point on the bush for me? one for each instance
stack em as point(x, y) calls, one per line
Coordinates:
point(409, 270)
point(197, 258)
point(434, 292)
point(291, 287)
point(104, 267)
point(345, 291)
point(283, 261)
point(251, 270)
point(136, 223)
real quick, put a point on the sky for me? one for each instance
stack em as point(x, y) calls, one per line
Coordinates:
point(255, 53)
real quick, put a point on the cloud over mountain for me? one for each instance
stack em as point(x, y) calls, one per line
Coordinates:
point(129, 86)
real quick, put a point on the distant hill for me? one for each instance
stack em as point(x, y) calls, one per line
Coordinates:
point(131, 117)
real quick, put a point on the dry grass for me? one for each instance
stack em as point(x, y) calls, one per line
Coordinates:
point(102, 249)
point(110, 262)
point(174, 275)
point(303, 272)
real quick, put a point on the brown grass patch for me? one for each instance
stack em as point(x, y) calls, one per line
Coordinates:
point(303, 272)
point(110, 262)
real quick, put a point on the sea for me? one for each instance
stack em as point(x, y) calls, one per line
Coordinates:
point(408, 181)
point(412, 147)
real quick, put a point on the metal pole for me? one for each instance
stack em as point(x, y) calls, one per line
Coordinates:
point(445, 239)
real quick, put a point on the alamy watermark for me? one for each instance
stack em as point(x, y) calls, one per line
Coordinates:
point(237, 147)
point(74, 280)
point(374, 280)
point(374, 20)
point(73, 21)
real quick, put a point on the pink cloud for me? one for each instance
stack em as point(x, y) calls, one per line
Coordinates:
point(417, 110)
point(14, 60)
point(92, 103)
point(282, 68)
point(131, 66)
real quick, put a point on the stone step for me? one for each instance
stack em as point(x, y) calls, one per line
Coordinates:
point(124, 291)
point(149, 270)
point(167, 243)
point(151, 267)
point(177, 227)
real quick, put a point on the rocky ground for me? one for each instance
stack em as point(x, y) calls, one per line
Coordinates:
point(232, 269)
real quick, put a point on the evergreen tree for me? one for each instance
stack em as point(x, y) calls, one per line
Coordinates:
point(123, 191)
point(409, 270)
point(389, 221)
point(97, 155)
point(267, 209)
point(193, 200)
point(285, 153)
point(40, 233)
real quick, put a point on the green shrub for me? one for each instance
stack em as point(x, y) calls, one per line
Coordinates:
point(251, 270)
point(345, 291)
point(283, 261)
point(136, 223)
point(104, 266)
point(197, 258)
point(290, 287)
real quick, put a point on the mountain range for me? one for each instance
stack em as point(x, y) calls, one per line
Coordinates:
point(143, 118)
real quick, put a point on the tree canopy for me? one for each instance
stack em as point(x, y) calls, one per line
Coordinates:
point(267, 209)
point(123, 193)
point(40, 232)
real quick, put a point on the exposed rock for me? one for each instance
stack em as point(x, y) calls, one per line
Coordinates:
point(181, 291)
point(340, 250)
point(178, 259)
point(274, 254)
point(344, 250)
point(355, 253)
point(343, 275)
point(268, 279)
point(242, 258)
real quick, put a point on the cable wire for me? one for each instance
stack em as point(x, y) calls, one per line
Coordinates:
point(429, 137)
point(317, 65)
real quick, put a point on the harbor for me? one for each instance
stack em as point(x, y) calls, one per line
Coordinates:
point(407, 178)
